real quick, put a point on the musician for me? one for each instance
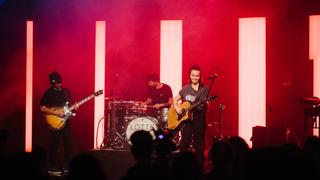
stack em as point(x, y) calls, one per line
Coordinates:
point(54, 98)
point(159, 95)
point(193, 92)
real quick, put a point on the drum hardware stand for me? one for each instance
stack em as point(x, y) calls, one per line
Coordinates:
point(113, 139)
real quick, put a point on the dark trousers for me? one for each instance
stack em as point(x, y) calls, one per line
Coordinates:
point(196, 127)
point(56, 136)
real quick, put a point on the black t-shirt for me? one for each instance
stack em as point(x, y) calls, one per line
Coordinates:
point(189, 94)
point(161, 95)
point(55, 98)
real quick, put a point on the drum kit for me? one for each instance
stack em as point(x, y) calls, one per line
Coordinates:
point(127, 117)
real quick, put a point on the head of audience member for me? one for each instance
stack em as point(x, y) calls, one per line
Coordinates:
point(86, 166)
point(141, 145)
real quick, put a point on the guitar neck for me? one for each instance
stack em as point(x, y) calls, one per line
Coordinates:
point(82, 101)
point(212, 98)
point(194, 105)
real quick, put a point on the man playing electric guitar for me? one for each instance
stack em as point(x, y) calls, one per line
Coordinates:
point(52, 103)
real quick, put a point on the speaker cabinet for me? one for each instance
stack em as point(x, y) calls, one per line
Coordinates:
point(267, 136)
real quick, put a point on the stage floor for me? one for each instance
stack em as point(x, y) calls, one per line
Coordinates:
point(115, 162)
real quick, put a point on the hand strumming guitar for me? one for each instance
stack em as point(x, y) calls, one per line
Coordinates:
point(178, 109)
point(59, 112)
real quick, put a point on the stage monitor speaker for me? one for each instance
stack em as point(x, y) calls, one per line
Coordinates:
point(115, 163)
point(267, 136)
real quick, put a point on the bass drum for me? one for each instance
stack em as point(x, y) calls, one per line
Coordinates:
point(145, 123)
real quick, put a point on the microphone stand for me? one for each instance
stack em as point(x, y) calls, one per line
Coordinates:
point(114, 85)
point(212, 80)
point(221, 109)
point(109, 131)
point(111, 98)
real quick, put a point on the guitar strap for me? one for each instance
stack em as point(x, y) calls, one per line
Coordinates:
point(66, 95)
point(199, 97)
point(199, 93)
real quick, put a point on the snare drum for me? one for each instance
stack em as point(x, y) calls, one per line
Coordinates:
point(139, 108)
point(145, 123)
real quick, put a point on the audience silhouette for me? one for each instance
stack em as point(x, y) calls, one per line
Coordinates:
point(231, 158)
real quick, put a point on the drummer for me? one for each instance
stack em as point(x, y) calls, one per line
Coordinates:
point(159, 96)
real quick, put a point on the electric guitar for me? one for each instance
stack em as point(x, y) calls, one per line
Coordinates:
point(175, 120)
point(56, 122)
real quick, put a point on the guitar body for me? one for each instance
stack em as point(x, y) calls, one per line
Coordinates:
point(55, 122)
point(175, 120)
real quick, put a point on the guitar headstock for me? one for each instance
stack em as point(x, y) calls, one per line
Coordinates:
point(222, 107)
point(212, 98)
point(97, 93)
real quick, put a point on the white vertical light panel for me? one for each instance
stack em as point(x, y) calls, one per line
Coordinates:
point(314, 51)
point(100, 54)
point(29, 83)
point(252, 75)
point(314, 54)
point(171, 54)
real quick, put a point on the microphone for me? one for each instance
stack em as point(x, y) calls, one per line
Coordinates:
point(213, 76)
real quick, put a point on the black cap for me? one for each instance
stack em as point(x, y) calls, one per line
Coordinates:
point(55, 77)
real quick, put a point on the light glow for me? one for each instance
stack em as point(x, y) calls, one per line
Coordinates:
point(252, 75)
point(29, 83)
point(314, 51)
point(314, 54)
point(171, 54)
point(99, 82)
